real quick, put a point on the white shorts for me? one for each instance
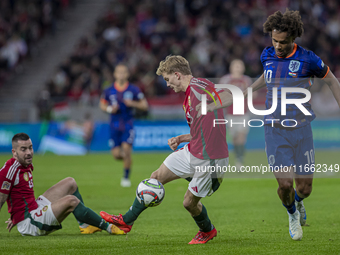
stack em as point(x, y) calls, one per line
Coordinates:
point(238, 128)
point(202, 181)
point(40, 221)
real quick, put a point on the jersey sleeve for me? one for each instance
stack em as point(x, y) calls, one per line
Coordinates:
point(6, 182)
point(317, 66)
point(104, 97)
point(137, 94)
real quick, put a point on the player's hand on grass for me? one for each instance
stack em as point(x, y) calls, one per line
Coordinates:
point(173, 143)
point(9, 224)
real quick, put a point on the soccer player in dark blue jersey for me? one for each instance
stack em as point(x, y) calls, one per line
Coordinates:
point(119, 101)
point(288, 133)
point(289, 138)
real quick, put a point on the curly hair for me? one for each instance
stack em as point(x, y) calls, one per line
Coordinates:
point(289, 22)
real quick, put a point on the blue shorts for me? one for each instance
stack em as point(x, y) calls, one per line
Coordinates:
point(290, 147)
point(118, 136)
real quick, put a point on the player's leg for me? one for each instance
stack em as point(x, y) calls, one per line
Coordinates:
point(63, 196)
point(280, 154)
point(127, 138)
point(200, 215)
point(115, 144)
point(117, 153)
point(305, 161)
point(175, 166)
point(303, 188)
point(125, 222)
point(64, 206)
point(204, 183)
point(127, 162)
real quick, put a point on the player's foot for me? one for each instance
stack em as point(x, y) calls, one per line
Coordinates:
point(295, 229)
point(303, 215)
point(203, 237)
point(114, 230)
point(89, 230)
point(116, 220)
point(126, 183)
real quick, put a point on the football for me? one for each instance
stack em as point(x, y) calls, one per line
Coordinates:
point(150, 192)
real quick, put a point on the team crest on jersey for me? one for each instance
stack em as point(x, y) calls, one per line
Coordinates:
point(26, 177)
point(189, 100)
point(294, 66)
point(6, 185)
point(271, 159)
point(45, 208)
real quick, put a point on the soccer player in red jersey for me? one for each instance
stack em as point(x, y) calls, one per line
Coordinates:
point(207, 149)
point(41, 216)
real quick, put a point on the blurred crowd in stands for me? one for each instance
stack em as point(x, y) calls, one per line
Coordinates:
point(140, 33)
point(22, 24)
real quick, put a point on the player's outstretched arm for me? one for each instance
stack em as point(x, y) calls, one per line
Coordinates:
point(226, 99)
point(258, 84)
point(141, 104)
point(334, 85)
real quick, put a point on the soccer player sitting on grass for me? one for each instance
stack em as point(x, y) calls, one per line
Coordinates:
point(42, 216)
point(207, 148)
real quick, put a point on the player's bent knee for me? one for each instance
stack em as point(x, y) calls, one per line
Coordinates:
point(305, 191)
point(286, 186)
point(72, 201)
point(71, 183)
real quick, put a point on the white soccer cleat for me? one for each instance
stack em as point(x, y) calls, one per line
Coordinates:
point(295, 229)
point(126, 183)
point(301, 208)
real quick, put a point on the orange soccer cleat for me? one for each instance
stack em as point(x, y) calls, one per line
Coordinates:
point(203, 237)
point(116, 220)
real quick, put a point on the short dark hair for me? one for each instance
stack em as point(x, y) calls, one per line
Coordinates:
point(289, 22)
point(20, 136)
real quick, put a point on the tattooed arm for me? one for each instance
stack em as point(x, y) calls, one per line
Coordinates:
point(3, 198)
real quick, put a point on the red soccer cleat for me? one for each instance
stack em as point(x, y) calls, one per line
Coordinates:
point(116, 220)
point(203, 237)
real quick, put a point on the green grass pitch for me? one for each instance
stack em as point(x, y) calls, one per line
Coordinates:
point(247, 212)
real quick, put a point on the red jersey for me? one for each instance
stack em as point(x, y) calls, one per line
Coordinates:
point(243, 83)
point(207, 141)
point(17, 181)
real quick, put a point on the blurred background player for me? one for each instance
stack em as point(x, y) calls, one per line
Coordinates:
point(119, 101)
point(207, 147)
point(238, 132)
point(42, 216)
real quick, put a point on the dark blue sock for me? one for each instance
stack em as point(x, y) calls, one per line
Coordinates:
point(126, 173)
point(291, 208)
point(297, 198)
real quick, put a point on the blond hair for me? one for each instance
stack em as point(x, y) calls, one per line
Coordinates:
point(173, 64)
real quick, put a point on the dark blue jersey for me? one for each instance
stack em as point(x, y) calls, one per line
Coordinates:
point(296, 70)
point(114, 96)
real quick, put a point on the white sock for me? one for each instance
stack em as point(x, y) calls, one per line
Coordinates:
point(109, 228)
point(84, 225)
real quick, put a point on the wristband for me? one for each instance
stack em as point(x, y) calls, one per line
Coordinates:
point(109, 109)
